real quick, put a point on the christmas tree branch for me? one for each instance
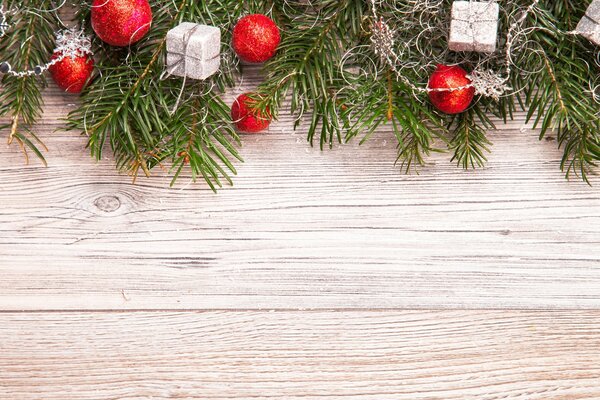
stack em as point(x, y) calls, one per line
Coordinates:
point(559, 97)
point(28, 43)
point(469, 140)
point(148, 117)
point(339, 81)
point(307, 64)
point(373, 104)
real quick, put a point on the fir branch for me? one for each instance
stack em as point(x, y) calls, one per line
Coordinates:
point(130, 106)
point(28, 42)
point(201, 143)
point(307, 64)
point(469, 141)
point(558, 96)
point(372, 104)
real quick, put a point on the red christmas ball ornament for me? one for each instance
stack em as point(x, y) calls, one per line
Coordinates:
point(246, 118)
point(450, 101)
point(121, 22)
point(255, 38)
point(71, 73)
point(72, 63)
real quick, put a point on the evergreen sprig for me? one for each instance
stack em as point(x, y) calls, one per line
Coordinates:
point(348, 96)
point(559, 98)
point(372, 104)
point(307, 66)
point(335, 82)
point(148, 118)
point(469, 140)
point(28, 42)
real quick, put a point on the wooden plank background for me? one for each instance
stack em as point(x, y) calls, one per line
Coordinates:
point(411, 355)
point(300, 228)
point(318, 275)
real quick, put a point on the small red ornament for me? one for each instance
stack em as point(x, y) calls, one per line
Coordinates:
point(255, 38)
point(246, 118)
point(450, 101)
point(121, 22)
point(72, 63)
point(72, 72)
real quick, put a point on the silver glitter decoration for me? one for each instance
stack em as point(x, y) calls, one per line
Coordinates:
point(73, 43)
point(3, 24)
point(69, 43)
point(382, 39)
point(488, 83)
point(193, 50)
point(589, 26)
point(474, 26)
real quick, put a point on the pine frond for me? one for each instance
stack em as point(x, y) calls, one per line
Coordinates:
point(372, 105)
point(148, 120)
point(469, 141)
point(29, 42)
point(558, 97)
point(307, 65)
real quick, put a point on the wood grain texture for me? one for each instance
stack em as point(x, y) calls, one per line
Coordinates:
point(301, 355)
point(300, 229)
point(342, 232)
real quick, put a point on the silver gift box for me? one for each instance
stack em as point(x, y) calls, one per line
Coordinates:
point(589, 26)
point(474, 26)
point(193, 50)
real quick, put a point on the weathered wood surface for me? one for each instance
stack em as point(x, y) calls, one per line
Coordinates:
point(300, 229)
point(343, 232)
point(301, 355)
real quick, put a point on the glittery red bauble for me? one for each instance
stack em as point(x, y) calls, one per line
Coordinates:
point(71, 74)
point(121, 22)
point(255, 38)
point(246, 118)
point(449, 77)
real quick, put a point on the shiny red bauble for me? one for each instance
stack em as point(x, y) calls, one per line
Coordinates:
point(121, 22)
point(450, 101)
point(73, 72)
point(255, 38)
point(246, 118)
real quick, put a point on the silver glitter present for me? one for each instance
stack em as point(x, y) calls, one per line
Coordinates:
point(474, 26)
point(193, 50)
point(589, 26)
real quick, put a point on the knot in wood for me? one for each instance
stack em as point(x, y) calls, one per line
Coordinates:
point(108, 204)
